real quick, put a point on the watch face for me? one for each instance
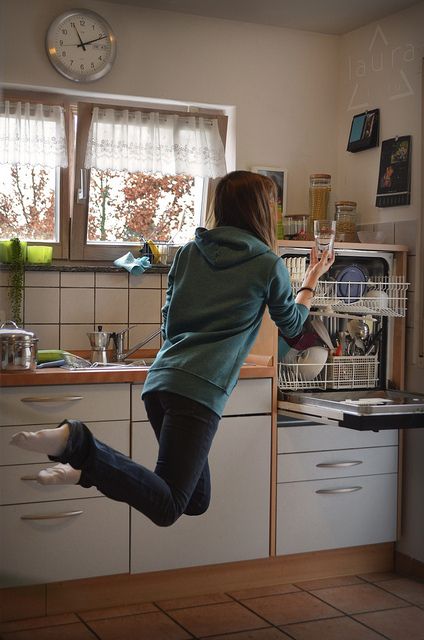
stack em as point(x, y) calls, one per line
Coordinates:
point(81, 45)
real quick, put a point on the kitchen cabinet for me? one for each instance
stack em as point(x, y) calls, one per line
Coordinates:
point(336, 488)
point(236, 525)
point(56, 532)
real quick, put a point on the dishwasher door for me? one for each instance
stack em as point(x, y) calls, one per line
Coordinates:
point(364, 410)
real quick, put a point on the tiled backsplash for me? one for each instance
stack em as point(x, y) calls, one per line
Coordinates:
point(61, 306)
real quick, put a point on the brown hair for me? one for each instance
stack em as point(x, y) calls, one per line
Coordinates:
point(247, 200)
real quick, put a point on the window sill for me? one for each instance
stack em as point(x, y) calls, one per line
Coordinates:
point(97, 268)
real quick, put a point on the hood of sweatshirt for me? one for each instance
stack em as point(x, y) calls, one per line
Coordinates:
point(225, 247)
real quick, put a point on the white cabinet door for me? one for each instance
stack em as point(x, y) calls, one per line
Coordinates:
point(63, 540)
point(236, 525)
point(330, 519)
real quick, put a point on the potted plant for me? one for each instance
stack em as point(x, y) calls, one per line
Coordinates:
point(16, 279)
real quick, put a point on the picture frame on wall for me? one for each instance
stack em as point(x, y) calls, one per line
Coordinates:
point(394, 176)
point(364, 131)
point(279, 176)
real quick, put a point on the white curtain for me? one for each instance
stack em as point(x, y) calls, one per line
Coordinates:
point(32, 134)
point(155, 143)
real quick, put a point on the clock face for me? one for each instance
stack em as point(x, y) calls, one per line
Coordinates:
point(81, 45)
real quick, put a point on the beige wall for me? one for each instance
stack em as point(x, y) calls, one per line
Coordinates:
point(381, 66)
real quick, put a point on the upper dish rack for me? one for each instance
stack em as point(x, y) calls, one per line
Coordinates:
point(382, 296)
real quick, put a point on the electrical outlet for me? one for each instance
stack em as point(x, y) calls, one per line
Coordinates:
point(2, 315)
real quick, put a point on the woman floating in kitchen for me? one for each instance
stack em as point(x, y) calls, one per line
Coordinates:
point(219, 287)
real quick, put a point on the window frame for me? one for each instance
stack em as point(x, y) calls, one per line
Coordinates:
point(79, 248)
point(61, 246)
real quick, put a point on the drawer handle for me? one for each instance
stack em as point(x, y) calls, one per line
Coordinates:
point(52, 399)
point(26, 478)
point(337, 465)
point(341, 490)
point(53, 516)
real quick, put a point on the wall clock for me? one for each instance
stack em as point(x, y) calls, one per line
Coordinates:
point(81, 45)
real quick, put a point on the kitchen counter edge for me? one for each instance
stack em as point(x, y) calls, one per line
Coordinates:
point(64, 376)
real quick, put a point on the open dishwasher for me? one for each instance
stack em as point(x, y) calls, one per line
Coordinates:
point(357, 316)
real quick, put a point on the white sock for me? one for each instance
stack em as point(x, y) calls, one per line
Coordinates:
point(59, 474)
point(49, 441)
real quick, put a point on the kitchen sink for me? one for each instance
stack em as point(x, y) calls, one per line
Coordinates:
point(74, 363)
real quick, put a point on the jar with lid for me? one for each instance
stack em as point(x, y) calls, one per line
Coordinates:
point(319, 195)
point(345, 221)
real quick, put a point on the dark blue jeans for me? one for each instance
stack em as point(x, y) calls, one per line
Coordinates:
point(180, 482)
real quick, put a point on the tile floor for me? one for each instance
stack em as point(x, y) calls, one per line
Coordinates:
point(364, 607)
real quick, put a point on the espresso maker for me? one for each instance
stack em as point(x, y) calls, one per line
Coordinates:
point(99, 342)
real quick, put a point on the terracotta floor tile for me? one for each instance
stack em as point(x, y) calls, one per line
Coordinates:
point(291, 607)
point(115, 612)
point(37, 623)
point(359, 597)
point(325, 583)
point(216, 619)
point(333, 629)
point(270, 633)
point(145, 626)
point(396, 624)
point(245, 594)
point(195, 601)
point(378, 576)
point(76, 631)
point(408, 589)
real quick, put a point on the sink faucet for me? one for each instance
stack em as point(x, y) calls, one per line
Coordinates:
point(118, 340)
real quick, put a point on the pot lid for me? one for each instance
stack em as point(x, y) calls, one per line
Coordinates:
point(10, 329)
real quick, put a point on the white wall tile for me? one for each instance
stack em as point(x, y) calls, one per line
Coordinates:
point(164, 277)
point(77, 306)
point(111, 306)
point(74, 337)
point(142, 331)
point(77, 279)
point(118, 280)
point(146, 281)
point(47, 334)
point(42, 278)
point(406, 233)
point(4, 278)
point(5, 302)
point(41, 305)
point(145, 305)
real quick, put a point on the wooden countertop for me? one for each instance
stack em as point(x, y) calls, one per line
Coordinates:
point(94, 376)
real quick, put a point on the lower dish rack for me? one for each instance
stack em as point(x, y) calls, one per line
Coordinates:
point(339, 372)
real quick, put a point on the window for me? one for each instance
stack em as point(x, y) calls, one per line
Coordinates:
point(33, 172)
point(133, 173)
point(142, 174)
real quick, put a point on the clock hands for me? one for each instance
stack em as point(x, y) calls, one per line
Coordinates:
point(90, 41)
point(79, 38)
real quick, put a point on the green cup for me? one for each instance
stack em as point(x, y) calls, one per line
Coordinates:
point(38, 254)
point(6, 250)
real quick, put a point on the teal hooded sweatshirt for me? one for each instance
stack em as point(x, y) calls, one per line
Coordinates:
point(218, 288)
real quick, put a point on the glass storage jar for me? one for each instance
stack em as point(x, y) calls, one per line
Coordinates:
point(345, 221)
point(319, 195)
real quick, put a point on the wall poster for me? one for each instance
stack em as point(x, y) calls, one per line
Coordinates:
point(394, 176)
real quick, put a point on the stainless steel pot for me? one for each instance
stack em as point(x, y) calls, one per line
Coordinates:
point(18, 348)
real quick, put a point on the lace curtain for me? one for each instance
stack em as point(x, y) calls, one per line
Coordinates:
point(155, 143)
point(32, 134)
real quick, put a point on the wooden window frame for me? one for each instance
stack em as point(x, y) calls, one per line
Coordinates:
point(79, 249)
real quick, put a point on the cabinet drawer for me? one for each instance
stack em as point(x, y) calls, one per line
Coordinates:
point(321, 437)
point(311, 521)
point(40, 405)
point(341, 463)
point(248, 397)
point(89, 539)
point(116, 434)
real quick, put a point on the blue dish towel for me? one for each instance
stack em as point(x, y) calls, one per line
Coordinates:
point(135, 266)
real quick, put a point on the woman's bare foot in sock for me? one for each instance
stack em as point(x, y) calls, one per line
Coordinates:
point(49, 441)
point(59, 474)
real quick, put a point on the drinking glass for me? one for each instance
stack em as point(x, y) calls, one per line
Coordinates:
point(324, 233)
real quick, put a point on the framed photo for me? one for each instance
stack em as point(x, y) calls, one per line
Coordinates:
point(279, 176)
point(364, 131)
point(394, 176)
